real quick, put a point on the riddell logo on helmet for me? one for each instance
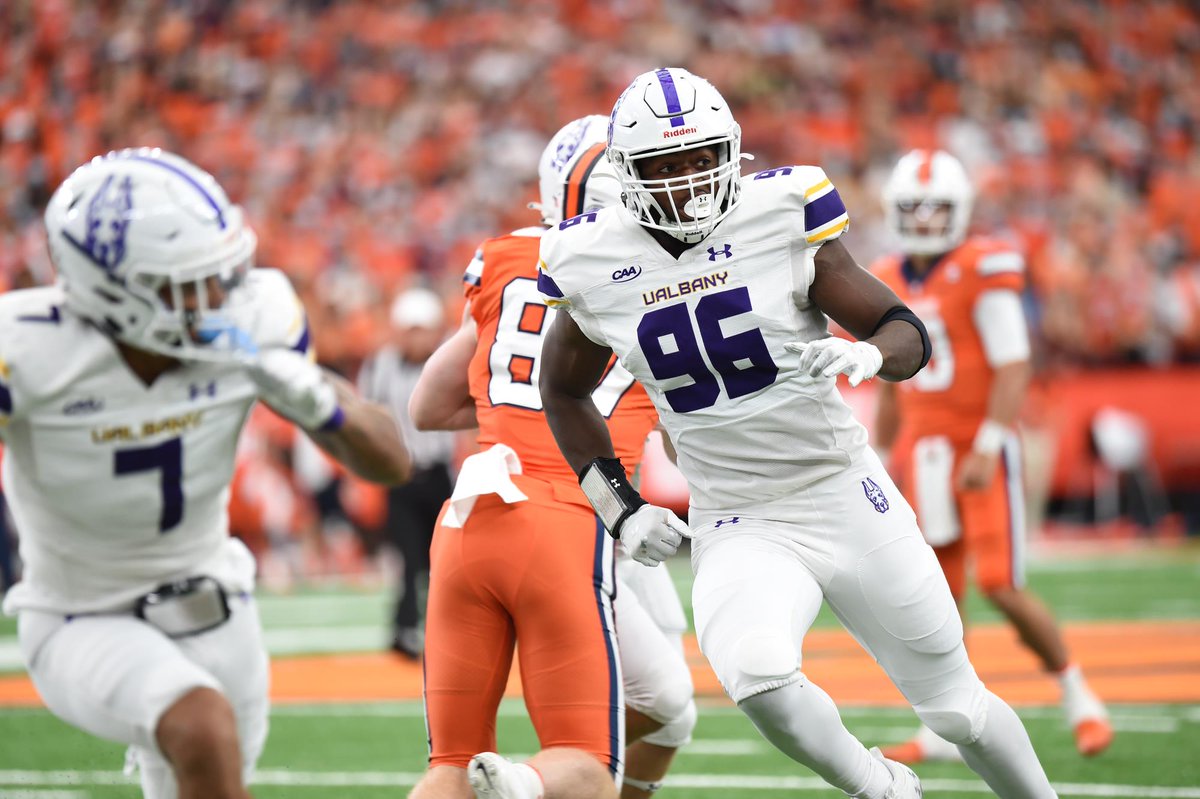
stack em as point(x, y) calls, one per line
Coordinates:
point(676, 132)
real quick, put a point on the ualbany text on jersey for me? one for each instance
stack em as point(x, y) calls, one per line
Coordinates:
point(173, 425)
point(684, 287)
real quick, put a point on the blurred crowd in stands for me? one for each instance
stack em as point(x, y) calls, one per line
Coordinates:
point(374, 144)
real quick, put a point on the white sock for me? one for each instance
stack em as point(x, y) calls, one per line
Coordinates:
point(1078, 701)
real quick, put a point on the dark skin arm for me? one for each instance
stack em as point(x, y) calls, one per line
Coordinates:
point(856, 300)
point(368, 442)
point(572, 365)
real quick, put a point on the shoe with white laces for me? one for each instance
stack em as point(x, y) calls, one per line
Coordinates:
point(495, 777)
point(905, 784)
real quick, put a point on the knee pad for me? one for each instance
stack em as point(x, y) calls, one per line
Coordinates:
point(677, 732)
point(672, 701)
point(762, 661)
point(957, 715)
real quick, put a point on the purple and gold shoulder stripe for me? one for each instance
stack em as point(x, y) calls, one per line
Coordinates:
point(551, 294)
point(825, 214)
point(6, 402)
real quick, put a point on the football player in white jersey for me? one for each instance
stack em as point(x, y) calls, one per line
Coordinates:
point(575, 177)
point(713, 290)
point(123, 390)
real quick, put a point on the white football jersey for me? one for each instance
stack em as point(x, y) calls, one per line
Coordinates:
point(116, 486)
point(705, 333)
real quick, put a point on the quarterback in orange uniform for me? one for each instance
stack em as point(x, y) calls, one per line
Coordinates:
point(950, 429)
point(519, 556)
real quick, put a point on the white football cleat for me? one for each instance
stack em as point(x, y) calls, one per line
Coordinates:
point(495, 777)
point(905, 784)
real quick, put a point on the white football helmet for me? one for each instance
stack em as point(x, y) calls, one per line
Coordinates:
point(574, 174)
point(666, 111)
point(137, 234)
point(923, 183)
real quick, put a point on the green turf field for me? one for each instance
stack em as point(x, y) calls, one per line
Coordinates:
point(377, 750)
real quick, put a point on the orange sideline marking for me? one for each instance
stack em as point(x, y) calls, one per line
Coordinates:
point(1124, 661)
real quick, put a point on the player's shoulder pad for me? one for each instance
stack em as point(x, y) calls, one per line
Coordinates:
point(990, 257)
point(34, 322)
point(491, 256)
point(571, 250)
point(279, 317)
point(38, 338)
point(802, 187)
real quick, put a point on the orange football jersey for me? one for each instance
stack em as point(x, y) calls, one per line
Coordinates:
point(949, 396)
point(512, 320)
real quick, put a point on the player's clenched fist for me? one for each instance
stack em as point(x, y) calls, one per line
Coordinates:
point(652, 534)
point(831, 356)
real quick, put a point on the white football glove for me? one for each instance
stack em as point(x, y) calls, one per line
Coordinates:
point(294, 386)
point(652, 534)
point(831, 356)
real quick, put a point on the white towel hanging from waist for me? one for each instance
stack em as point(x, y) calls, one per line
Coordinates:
point(486, 472)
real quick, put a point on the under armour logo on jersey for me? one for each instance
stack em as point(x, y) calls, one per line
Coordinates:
point(106, 221)
point(875, 494)
point(727, 252)
point(730, 520)
point(197, 389)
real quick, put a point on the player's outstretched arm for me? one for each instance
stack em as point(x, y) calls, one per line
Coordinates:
point(367, 442)
point(359, 434)
point(859, 302)
point(442, 399)
point(572, 365)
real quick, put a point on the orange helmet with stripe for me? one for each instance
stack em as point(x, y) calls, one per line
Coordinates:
point(574, 174)
point(924, 185)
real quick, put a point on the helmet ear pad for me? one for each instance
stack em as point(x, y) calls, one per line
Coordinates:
point(146, 245)
point(667, 111)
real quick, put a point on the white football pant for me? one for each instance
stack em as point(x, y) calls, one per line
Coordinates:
point(115, 675)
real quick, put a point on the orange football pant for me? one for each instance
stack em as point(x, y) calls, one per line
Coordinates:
point(537, 574)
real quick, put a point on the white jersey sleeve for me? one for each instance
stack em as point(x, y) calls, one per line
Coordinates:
point(1000, 320)
point(118, 486)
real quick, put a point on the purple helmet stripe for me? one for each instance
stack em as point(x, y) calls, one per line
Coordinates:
point(190, 180)
point(671, 96)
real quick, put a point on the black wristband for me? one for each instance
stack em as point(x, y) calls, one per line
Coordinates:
point(903, 314)
point(611, 494)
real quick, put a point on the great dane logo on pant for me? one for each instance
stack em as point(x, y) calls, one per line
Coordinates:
point(875, 494)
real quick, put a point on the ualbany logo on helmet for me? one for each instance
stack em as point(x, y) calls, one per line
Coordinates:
point(105, 224)
point(626, 273)
point(675, 133)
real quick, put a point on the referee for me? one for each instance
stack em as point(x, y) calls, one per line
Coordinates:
point(418, 325)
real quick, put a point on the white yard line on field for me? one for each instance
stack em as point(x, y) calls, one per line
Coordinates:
point(372, 779)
